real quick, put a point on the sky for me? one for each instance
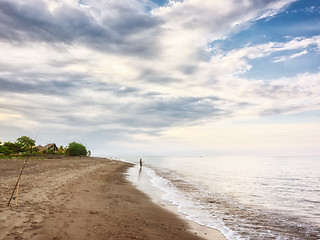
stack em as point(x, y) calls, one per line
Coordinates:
point(162, 77)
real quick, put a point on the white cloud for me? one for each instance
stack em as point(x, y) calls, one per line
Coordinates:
point(187, 27)
point(284, 58)
point(274, 8)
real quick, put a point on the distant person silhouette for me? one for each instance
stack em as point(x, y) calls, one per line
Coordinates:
point(140, 162)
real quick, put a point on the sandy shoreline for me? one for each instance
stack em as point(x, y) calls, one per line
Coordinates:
point(81, 198)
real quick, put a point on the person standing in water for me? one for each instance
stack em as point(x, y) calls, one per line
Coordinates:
point(140, 162)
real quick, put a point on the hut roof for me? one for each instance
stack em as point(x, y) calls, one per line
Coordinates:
point(48, 146)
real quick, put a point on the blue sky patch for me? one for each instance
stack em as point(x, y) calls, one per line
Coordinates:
point(302, 18)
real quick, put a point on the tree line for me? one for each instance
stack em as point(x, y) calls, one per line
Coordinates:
point(26, 145)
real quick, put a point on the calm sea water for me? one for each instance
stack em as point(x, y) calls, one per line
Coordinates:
point(243, 197)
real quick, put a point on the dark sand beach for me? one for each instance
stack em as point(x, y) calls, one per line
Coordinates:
point(81, 198)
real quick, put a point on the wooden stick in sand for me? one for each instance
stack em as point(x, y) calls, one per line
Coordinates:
point(15, 187)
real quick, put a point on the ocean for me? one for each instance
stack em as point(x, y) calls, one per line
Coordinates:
point(244, 197)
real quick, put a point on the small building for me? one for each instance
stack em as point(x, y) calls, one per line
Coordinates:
point(48, 147)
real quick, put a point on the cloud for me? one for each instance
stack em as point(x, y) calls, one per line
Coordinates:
point(273, 8)
point(237, 60)
point(119, 28)
point(284, 58)
point(49, 88)
point(162, 113)
point(117, 67)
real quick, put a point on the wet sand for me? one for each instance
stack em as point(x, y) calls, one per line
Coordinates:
point(81, 198)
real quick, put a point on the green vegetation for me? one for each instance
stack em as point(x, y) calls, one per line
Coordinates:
point(26, 143)
point(76, 149)
point(61, 150)
point(25, 146)
point(12, 147)
point(4, 150)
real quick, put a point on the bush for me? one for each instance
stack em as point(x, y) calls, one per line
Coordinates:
point(51, 151)
point(15, 148)
point(76, 149)
point(35, 149)
point(4, 150)
point(61, 150)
